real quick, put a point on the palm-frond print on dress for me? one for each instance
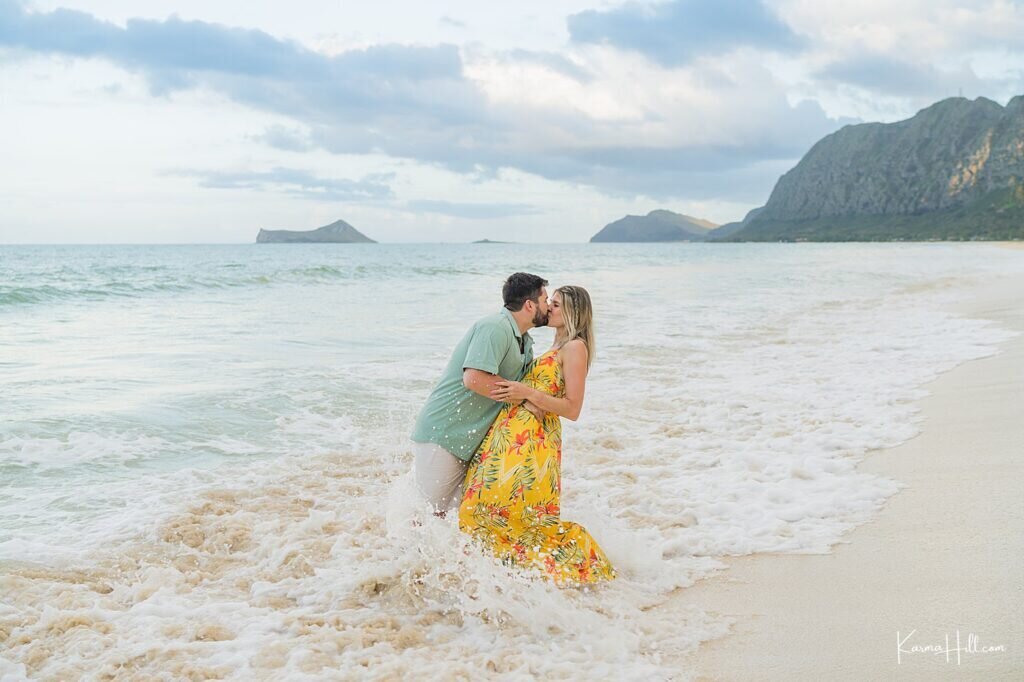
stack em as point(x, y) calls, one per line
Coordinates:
point(512, 490)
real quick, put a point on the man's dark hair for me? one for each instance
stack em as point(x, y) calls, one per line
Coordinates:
point(521, 287)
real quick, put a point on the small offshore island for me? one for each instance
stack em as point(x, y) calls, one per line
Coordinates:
point(954, 171)
point(338, 232)
point(657, 226)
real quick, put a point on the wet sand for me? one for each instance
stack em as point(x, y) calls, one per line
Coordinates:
point(946, 554)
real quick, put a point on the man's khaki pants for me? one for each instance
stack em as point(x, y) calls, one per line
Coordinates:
point(439, 475)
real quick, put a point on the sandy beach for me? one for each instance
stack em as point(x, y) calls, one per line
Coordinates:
point(943, 557)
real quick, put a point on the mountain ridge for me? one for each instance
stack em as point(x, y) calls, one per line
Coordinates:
point(954, 170)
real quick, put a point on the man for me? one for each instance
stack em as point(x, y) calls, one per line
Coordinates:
point(459, 412)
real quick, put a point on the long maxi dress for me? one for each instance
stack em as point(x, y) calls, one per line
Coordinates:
point(512, 490)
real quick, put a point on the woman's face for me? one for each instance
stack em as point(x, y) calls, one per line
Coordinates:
point(555, 311)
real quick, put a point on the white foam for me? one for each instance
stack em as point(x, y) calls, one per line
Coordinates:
point(723, 417)
point(78, 448)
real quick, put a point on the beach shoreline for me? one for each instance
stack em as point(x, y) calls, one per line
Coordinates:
point(940, 559)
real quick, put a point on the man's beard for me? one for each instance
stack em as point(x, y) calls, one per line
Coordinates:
point(540, 319)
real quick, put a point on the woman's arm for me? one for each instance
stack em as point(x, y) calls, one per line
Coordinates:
point(574, 372)
point(484, 384)
point(534, 410)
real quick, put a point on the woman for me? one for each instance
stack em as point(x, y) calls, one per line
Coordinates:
point(513, 484)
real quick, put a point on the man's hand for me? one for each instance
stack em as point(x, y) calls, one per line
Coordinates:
point(534, 410)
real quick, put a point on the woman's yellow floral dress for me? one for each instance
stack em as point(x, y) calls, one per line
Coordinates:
point(512, 488)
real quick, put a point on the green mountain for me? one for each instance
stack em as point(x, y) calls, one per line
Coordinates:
point(338, 232)
point(954, 171)
point(656, 226)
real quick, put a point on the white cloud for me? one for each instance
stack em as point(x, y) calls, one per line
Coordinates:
point(614, 131)
point(725, 101)
point(884, 60)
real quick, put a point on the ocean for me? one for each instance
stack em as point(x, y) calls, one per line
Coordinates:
point(204, 457)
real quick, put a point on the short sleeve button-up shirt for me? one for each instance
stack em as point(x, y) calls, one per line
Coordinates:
point(456, 418)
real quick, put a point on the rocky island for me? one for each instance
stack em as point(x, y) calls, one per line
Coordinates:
point(953, 171)
point(656, 226)
point(338, 232)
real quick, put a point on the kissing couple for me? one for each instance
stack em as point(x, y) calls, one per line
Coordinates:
point(489, 438)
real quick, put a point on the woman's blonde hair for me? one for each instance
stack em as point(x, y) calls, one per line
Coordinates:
point(578, 315)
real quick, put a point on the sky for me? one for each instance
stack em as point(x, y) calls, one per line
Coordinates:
point(202, 122)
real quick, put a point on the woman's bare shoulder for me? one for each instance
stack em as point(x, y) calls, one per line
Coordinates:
point(573, 349)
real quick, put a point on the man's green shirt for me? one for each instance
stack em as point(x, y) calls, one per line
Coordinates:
point(455, 417)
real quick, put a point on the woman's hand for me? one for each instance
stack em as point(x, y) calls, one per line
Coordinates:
point(534, 410)
point(511, 391)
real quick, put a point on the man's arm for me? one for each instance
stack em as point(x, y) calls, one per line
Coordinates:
point(482, 383)
point(479, 381)
point(489, 345)
point(483, 357)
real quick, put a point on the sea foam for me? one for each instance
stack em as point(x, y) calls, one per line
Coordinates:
point(732, 395)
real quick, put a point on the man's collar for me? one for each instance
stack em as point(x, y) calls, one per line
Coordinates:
point(512, 321)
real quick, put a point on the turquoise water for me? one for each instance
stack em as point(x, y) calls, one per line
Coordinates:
point(121, 361)
point(232, 422)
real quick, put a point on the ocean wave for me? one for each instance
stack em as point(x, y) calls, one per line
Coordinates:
point(719, 421)
point(135, 282)
point(78, 448)
point(326, 564)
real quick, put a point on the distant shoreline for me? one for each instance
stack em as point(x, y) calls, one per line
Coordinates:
point(1007, 243)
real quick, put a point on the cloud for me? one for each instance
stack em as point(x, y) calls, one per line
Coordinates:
point(900, 57)
point(660, 132)
point(744, 181)
point(287, 139)
point(915, 30)
point(451, 21)
point(709, 129)
point(552, 60)
point(673, 33)
point(892, 76)
point(480, 211)
point(253, 66)
point(300, 183)
point(295, 182)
